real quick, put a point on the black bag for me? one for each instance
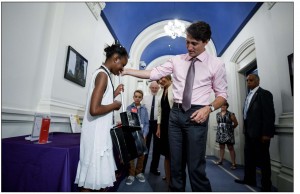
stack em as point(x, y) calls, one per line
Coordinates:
point(133, 134)
point(119, 144)
point(128, 138)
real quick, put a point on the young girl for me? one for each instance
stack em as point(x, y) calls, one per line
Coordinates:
point(96, 167)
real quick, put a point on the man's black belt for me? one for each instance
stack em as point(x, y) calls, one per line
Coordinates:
point(179, 105)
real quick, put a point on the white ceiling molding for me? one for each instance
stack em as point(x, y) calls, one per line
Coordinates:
point(96, 8)
point(270, 5)
point(245, 48)
point(152, 33)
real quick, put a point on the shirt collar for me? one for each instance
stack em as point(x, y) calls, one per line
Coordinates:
point(200, 57)
point(133, 105)
point(254, 90)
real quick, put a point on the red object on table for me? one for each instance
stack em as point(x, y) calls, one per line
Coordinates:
point(44, 131)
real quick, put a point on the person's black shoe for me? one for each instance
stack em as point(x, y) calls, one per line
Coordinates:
point(244, 182)
point(155, 172)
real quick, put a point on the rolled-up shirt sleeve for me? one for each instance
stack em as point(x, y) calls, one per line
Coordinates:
point(162, 70)
point(220, 82)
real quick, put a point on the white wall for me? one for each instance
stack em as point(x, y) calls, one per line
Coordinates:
point(273, 33)
point(22, 40)
point(35, 37)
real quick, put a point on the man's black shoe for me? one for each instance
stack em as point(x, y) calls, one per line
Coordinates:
point(244, 182)
point(155, 172)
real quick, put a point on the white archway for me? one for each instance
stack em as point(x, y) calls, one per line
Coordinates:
point(152, 33)
point(241, 60)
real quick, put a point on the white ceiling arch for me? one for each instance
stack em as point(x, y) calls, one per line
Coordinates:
point(152, 33)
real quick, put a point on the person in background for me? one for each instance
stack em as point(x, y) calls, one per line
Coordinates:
point(141, 110)
point(196, 75)
point(151, 103)
point(158, 82)
point(259, 128)
point(225, 133)
point(164, 108)
point(96, 167)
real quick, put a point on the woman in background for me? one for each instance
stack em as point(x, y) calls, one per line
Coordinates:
point(225, 133)
point(165, 104)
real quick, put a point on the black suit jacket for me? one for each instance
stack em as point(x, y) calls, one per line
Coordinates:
point(260, 115)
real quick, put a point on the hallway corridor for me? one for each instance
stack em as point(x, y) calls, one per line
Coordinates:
point(221, 178)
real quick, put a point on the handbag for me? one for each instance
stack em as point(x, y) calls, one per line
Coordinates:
point(128, 138)
point(133, 134)
point(119, 145)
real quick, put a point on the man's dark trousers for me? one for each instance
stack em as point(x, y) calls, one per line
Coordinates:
point(187, 141)
point(155, 150)
point(257, 154)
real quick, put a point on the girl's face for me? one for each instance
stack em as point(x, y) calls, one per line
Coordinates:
point(119, 65)
point(137, 98)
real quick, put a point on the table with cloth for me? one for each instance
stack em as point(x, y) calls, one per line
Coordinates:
point(28, 166)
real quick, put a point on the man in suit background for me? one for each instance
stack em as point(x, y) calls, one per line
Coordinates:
point(152, 112)
point(259, 118)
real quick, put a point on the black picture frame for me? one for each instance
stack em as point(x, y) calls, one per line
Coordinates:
point(76, 67)
point(291, 70)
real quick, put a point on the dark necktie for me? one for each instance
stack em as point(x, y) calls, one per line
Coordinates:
point(152, 109)
point(188, 88)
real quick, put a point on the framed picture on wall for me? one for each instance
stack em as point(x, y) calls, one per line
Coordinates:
point(76, 67)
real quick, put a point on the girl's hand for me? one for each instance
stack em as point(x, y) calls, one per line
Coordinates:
point(119, 89)
point(117, 104)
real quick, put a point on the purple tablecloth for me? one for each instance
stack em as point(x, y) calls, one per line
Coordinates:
point(27, 166)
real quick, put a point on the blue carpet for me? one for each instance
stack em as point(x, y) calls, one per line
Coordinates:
point(221, 178)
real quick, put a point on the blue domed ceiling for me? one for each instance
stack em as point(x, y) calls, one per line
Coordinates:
point(126, 20)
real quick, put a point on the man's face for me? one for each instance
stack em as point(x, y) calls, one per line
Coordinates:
point(194, 46)
point(252, 82)
point(154, 87)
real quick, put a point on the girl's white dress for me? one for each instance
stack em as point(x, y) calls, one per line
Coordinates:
point(96, 167)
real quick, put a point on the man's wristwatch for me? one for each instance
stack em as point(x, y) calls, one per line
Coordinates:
point(212, 108)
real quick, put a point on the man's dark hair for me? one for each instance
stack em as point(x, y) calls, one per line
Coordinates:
point(256, 76)
point(200, 31)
